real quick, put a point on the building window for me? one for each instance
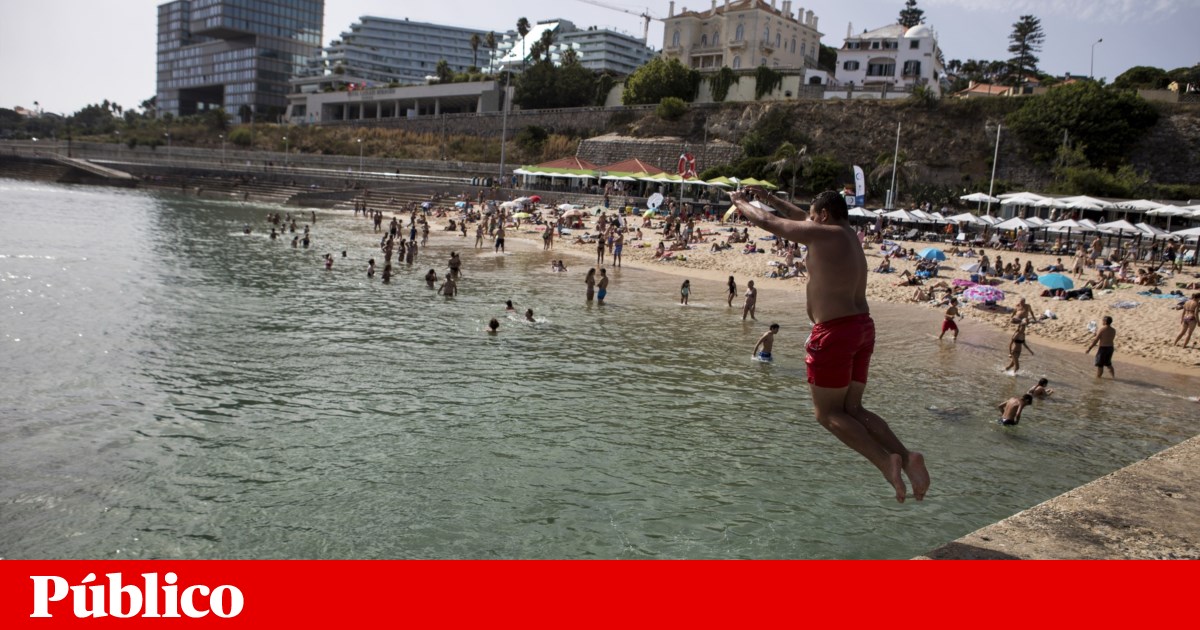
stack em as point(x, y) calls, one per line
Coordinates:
point(778, 39)
point(850, 65)
point(881, 69)
point(912, 68)
point(874, 45)
point(704, 40)
point(762, 62)
point(767, 35)
point(914, 44)
point(739, 34)
point(737, 62)
point(675, 39)
point(802, 47)
point(717, 37)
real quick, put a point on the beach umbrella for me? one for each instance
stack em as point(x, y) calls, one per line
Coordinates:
point(1085, 202)
point(1015, 223)
point(983, 293)
point(1188, 233)
point(1056, 281)
point(567, 206)
point(900, 215)
point(730, 212)
point(460, 204)
point(988, 219)
point(572, 213)
point(971, 268)
point(535, 198)
point(1150, 230)
point(521, 215)
point(862, 213)
point(1144, 205)
point(959, 282)
point(980, 198)
point(932, 253)
point(648, 213)
point(1120, 225)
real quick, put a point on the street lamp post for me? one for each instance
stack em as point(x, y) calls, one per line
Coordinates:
point(360, 156)
point(1092, 64)
point(286, 152)
point(222, 148)
point(168, 135)
point(118, 132)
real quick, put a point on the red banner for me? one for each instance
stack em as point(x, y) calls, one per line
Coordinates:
point(610, 594)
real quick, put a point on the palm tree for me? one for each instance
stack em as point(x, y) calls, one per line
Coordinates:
point(475, 41)
point(490, 40)
point(788, 158)
point(547, 41)
point(522, 30)
point(908, 172)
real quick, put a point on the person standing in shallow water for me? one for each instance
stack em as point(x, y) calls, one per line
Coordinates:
point(732, 291)
point(843, 334)
point(1105, 338)
point(590, 281)
point(602, 286)
point(685, 291)
point(751, 301)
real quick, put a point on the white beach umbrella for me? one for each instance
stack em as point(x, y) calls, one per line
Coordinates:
point(1022, 195)
point(989, 219)
point(979, 197)
point(1115, 227)
point(1015, 223)
point(900, 215)
point(1069, 225)
point(1020, 201)
point(863, 213)
point(1036, 221)
point(967, 218)
point(1189, 233)
point(1085, 202)
point(1150, 230)
point(1144, 205)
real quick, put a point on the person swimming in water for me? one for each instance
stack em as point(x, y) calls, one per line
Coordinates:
point(1010, 410)
point(529, 315)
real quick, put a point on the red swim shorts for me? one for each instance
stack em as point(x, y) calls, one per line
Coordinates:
point(948, 324)
point(839, 351)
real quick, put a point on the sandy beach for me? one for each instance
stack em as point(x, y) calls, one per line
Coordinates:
point(1146, 325)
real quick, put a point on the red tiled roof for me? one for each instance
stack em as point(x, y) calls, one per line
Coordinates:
point(569, 162)
point(632, 165)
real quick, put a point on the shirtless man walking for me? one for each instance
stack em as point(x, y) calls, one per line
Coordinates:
point(762, 349)
point(1105, 336)
point(1188, 319)
point(843, 333)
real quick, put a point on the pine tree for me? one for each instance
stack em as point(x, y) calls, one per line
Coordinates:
point(1026, 38)
point(910, 15)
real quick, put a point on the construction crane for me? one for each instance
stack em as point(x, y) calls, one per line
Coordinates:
point(645, 15)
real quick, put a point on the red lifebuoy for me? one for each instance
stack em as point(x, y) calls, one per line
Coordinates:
point(687, 166)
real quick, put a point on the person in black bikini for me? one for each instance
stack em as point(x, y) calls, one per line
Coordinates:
point(1014, 348)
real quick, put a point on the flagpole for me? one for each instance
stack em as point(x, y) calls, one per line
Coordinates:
point(995, 159)
point(895, 157)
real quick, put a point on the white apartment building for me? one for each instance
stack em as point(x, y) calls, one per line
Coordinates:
point(598, 49)
point(742, 34)
point(894, 58)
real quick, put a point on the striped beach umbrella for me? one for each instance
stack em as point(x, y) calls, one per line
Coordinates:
point(983, 293)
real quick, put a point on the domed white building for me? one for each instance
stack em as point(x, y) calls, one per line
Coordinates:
point(888, 62)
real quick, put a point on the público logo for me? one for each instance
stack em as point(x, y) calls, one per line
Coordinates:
point(149, 600)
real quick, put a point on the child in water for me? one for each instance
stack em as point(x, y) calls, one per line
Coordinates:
point(685, 291)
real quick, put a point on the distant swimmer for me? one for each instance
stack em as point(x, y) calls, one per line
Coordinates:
point(328, 262)
point(751, 301)
point(273, 234)
point(1010, 410)
point(529, 315)
point(493, 326)
point(762, 349)
point(1041, 390)
point(1014, 348)
point(295, 242)
point(1105, 338)
point(685, 291)
point(508, 307)
point(948, 323)
point(246, 229)
point(732, 292)
point(843, 333)
point(430, 278)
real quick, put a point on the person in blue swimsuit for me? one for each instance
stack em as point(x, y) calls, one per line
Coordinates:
point(762, 349)
point(602, 286)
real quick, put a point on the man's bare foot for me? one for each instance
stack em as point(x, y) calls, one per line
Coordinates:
point(892, 474)
point(917, 474)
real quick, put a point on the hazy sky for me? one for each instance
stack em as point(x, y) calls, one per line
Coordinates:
point(68, 53)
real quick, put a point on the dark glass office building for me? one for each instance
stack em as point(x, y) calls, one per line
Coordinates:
point(234, 54)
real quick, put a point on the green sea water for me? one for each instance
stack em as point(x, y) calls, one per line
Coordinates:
point(173, 388)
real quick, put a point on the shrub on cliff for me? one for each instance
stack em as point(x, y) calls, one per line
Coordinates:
point(658, 79)
point(1107, 122)
point(241, 137)
point(671, 108)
